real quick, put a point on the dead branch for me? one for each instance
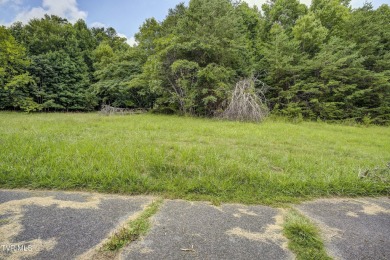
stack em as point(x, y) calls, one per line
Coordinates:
point(109, 110)
point(247, 103)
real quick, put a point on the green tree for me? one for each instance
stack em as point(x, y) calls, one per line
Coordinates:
point(283, 12)
point(60, 54)
point(183, 84)
point(86, 43)
point(62, 82)
point(16, 85)
point(281, 60)
point(333, 14)
point(329, 61)
point(310, 34)
point(252, 26)
point(370, 30)
point(110, 36)
point(207, 38)
point(335, 85)
point(114, 71)
point(148, 33)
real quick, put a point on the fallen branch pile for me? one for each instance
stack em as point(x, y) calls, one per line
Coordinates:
point(247, 103)
point(109, 110)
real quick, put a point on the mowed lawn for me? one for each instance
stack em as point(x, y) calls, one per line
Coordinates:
point(192, 158)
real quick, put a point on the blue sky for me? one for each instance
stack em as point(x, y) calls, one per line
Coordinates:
point(124, 15)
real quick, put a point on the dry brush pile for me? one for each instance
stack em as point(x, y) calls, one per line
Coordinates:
point(247, 103)
point(109, 110)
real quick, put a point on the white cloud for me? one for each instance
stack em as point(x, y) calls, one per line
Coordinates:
point(64, 8)
point(16, 2)
point(11, 5)
point(25, 16)
point(306, 2)
point(130, 41)
point(98, 25)
point(259, 3)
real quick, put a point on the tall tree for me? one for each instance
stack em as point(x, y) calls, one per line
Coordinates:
point(283, 12)
point(335, 84)
point(59, 52)
point(310, 33)
point(16, 84)
point(207, 40)
point(329, 61)
point(114, 71)
point(281, 60)
point(333, 14)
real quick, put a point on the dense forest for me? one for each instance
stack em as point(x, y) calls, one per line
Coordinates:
point(323, 62)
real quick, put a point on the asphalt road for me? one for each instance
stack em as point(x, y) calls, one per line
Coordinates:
point(353, 228)
point(185, 230)
point(74, 225)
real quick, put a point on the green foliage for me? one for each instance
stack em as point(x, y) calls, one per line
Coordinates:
point(134, 229)
point(320, 72)
point(304, 237)
point(193, 63)
point(147, 35)
point(309, 32)
point(333, 14)
point(184, 75)
point(283, 12)
point(29, 105)
point(371, 31)
point(214, 82)
point(62, 81)
point(334, 84)
point(327, 62)
point(15, 83)
point(281, 59)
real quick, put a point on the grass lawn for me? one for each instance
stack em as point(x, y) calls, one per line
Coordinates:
point(192, 158)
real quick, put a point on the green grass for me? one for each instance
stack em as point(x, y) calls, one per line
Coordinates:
point(304, 237)
point(190, 158)
point(4, 221)
point(135, 229)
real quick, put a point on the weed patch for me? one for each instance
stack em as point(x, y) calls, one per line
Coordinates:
point(133, 230)
point(304, 237)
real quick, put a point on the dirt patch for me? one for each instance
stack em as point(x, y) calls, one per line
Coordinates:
point(352, 214)
point(244, 212)
point(374, 209)
point(272, 233)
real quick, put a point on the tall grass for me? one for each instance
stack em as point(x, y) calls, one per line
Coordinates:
point(190, 158)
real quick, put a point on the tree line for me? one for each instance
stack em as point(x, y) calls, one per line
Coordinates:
point(327, 61)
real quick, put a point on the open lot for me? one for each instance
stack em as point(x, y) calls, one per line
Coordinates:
point(191, 158)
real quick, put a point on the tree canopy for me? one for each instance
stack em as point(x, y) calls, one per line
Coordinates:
point(327, 61)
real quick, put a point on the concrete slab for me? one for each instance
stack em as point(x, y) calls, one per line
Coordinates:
point(60, 225)
point(196, 230)
point(353, 228)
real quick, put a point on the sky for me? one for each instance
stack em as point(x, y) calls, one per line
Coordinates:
point(126, 16)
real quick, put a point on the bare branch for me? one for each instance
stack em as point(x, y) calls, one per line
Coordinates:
point(247, 103)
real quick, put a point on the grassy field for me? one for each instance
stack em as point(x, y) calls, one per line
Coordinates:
point(192, 158)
